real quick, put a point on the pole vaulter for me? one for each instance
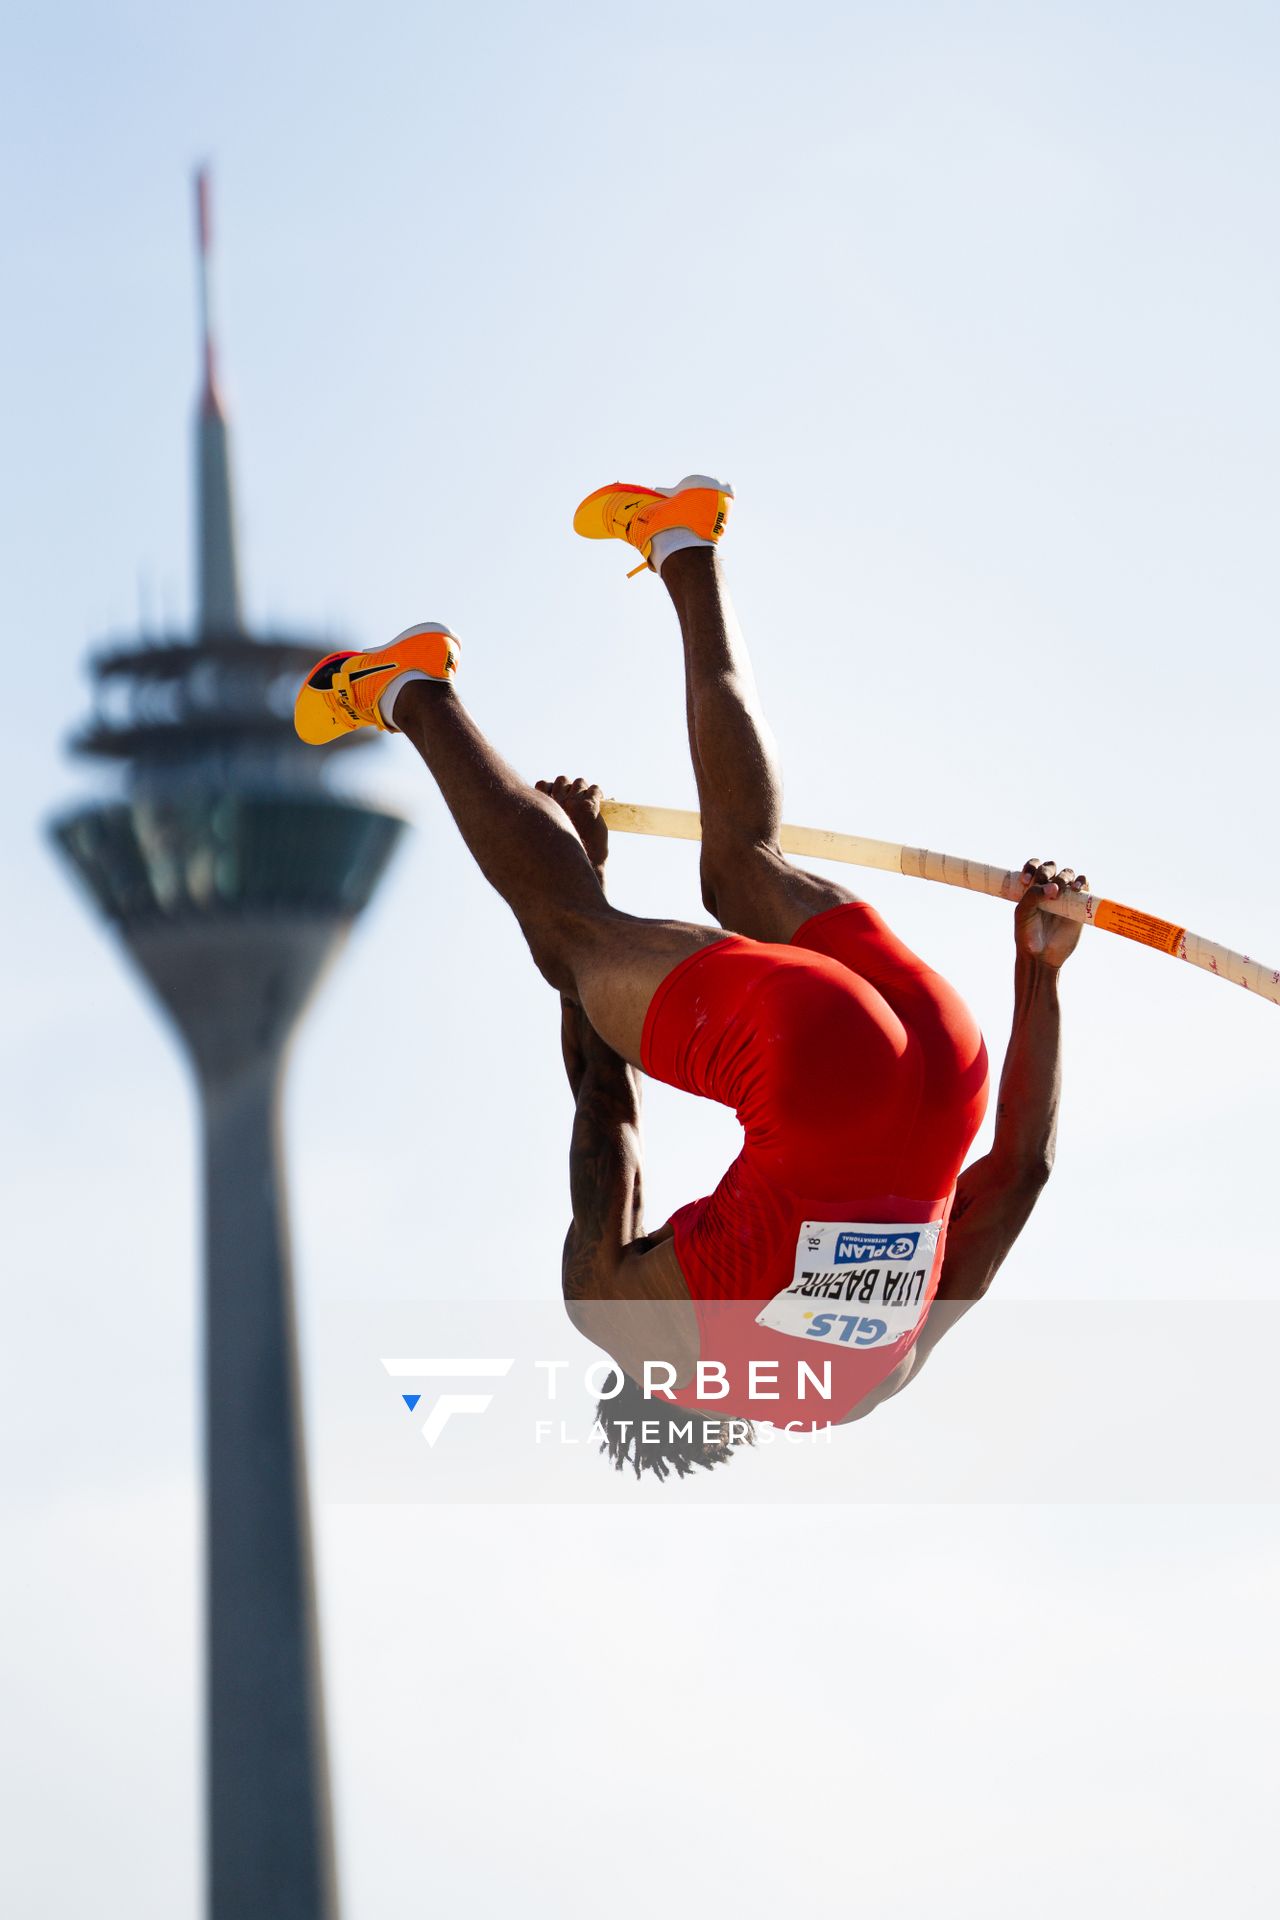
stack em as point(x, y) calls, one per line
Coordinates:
point(849, 1233)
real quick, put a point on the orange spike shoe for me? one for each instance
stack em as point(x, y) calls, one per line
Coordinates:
point(635, 514)
point(341, 692)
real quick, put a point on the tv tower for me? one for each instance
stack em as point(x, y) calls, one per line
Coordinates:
point(233, 876)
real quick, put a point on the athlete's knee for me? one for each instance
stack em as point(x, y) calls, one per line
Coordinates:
point(731, 868)
point(551, 951)
point(559, 938)
point(709, 876)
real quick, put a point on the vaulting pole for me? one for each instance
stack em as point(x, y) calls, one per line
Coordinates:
point(921, 863)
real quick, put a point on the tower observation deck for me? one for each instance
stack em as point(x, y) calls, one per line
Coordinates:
point(233, 874)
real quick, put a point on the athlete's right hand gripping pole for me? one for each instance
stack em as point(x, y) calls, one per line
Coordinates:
point(921, 863)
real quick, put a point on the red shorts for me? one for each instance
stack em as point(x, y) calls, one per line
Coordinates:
point(860, 1079)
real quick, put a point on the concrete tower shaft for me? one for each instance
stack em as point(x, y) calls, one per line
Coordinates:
point(233, 906)
point(236, 989)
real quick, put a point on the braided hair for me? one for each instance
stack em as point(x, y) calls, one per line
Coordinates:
point(654, 1436)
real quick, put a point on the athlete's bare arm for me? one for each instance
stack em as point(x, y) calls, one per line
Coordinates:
point(995, 1196)
point(622, 1287)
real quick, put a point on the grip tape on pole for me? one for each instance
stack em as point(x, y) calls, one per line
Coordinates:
point(1132, 924)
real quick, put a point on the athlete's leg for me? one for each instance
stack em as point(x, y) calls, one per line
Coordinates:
point(526, 848)
point(746, 880)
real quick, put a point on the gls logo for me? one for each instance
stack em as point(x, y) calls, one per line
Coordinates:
point(854, 1328)
point(447, 1404)
point(855, 1249)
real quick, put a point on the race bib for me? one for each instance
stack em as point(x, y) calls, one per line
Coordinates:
point(856, 1284)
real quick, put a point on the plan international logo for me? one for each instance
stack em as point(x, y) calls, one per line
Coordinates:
point(856, 1249)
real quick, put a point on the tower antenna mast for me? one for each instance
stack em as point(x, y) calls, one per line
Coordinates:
point(217, 564)
point(204, 253)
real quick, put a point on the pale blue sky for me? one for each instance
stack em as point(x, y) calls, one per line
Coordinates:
point(976, 307)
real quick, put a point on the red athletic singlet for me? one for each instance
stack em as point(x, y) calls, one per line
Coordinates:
point(860, 1080)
